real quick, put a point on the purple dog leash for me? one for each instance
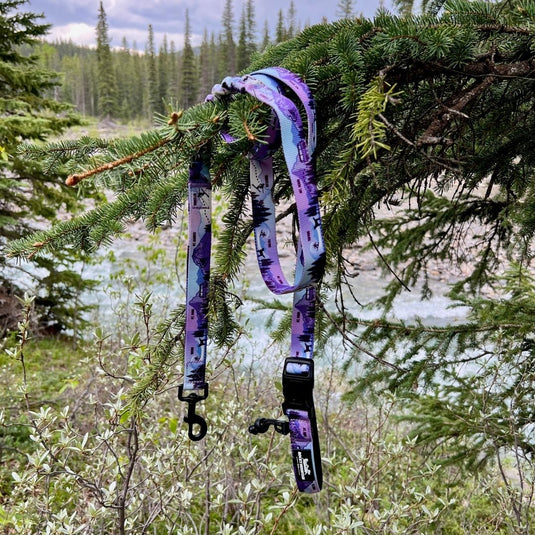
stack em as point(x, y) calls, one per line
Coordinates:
point(287, 129)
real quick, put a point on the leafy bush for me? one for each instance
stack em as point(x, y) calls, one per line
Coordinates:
point(78, 460)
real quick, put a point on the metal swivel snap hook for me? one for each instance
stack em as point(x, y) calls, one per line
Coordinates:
point(193, 419)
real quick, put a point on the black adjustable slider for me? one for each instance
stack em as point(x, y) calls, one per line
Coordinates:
point(192, 418)
point(298, 384)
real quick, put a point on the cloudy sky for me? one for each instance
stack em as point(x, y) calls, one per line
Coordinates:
point(76, 19)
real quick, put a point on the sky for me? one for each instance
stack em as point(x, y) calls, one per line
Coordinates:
point(76, 19)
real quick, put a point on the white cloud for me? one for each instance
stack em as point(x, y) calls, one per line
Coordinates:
point(85, 34)
point(79, 32)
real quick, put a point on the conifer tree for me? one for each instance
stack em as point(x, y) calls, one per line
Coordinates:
point(228, 45)
point(29, 192)
point(213, 55)
point(265, 38)
point(428, 118)
point(152, 75)
point(291, 29)
point(250, 28)
point(221, 62)
point(206, 74)
point(280, 30)
point(140, 97)
point(72, 88)
point(242, 56)
point(125, 82)
point(345, 9)
point(164, 74)
point(91, 85)
point(107, 86)
point(189, 80)
point(247, 36)
point(173, 89)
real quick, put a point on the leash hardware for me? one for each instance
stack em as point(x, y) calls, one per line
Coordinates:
point(192, 418)
point(262, 425)
point(298, 406)
point(298, 384)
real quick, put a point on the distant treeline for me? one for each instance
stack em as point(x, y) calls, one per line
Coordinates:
point(130, 83)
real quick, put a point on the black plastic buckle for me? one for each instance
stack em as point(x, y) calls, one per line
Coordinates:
point(298, 384)
point(194, 419)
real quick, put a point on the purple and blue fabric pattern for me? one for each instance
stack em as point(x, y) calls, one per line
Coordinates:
point(299, 160)
point(198, 275)
point(286, 129)
point(303, 323)
point(301, 90)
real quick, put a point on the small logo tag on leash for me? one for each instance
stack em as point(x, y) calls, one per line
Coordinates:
point(303, 465)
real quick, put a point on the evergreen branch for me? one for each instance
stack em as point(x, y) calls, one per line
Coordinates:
point(453, 108)
point(359, 347)
point(420, 329)
point(74, 179)
point(64, 148)
point(89, 231)
point(385, 262)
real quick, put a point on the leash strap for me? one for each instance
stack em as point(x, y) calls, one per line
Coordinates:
point(286, 129)
point(198, 276)
point(298, 371)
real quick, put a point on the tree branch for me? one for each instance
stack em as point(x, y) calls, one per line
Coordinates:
point(72, 180)
point(433, 133)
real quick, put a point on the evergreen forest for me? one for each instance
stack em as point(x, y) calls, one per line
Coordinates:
point(138, 80)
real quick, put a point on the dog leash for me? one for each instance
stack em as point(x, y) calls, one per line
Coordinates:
point(286, 129)
point(197, 277)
